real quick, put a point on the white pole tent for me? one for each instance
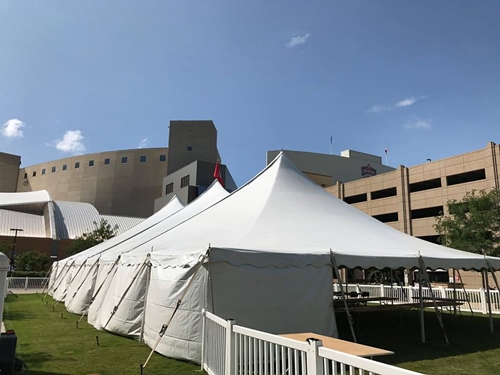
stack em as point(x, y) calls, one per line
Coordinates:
point(114, 266)
point(84, 281)
point(263, 256)
point(81, 289)
point(71, 271)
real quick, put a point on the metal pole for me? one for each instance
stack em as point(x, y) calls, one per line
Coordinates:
point(14, 247)
point(488, 299)
point(421, 297)
point(454, 293)
point(344, 297)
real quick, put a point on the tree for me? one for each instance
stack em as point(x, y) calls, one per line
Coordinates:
point(473, 224)
point(102, 232)
point(5, 248)
point(32, 260)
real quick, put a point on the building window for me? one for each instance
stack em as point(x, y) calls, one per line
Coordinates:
point(77, 165)
point(43, 170)
point(34, 173)
point(124, 160)
point(53, 169)
point(26, 175)
point(163, 157)
point(169, 188)
point(426, 212)
point(107, 161)
point(184, 181)
point(65, 167)
point(142, 158)
point(356, 198)
point(190, 148)
point(384, 193)
point(387, 218)
point(91, 163)
point(425, 185)
point(462, 178)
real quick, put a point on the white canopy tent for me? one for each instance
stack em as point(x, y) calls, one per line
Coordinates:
point(263, 256)
point(81, 288)
point(62, 278)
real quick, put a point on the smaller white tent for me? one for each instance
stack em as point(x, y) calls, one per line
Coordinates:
point(69, 274)
point(117, 274)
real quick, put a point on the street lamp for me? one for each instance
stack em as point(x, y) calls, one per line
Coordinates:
point(14, 247)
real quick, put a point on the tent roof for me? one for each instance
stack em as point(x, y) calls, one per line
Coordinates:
point(281, 212)
point(169, 209)
point(146, 240)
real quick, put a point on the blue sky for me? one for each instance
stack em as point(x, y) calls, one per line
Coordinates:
point(421, 78)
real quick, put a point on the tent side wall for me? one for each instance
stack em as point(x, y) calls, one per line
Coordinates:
point(275, 300)
point(122, 309)
point(182, 339)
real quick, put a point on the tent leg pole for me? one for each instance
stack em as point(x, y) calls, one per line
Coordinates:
point(465, 292)
point(349, 317)
point(141, 339)
point(454, 293)
point(488, 299)
point(436, 309)
point(421, 300)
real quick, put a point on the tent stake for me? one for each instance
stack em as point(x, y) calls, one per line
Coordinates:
point(349, 317)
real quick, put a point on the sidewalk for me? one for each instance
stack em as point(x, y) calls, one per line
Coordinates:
point(25, 291)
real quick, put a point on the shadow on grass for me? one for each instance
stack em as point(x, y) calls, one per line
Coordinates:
point(400, 332)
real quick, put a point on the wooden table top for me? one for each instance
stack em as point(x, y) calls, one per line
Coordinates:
point(340, 345)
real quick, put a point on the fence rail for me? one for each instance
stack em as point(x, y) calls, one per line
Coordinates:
point(229, 349)
point(27, 283)
point(408, 294)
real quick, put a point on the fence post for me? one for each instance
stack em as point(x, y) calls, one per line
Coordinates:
point(203, 328)
point(26, 284)
point(230, 352)
point(443, 292)
point(482, 294)
point(382, 290)
point(410, 294)
point(313, 359)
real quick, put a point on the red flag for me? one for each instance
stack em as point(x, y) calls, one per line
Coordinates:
point(217, 173)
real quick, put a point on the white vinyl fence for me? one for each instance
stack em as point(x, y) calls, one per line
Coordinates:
point(408, 294)
point(27, 283)
point(229, 349)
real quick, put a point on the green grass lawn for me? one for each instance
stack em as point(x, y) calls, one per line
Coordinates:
point(472, 350)
point(51, 345)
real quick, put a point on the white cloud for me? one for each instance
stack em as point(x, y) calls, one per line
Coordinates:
point(379, 108)
point(418, 124)
point(12, 128)
point(406, 102)
point(143, 143)
point(297, 40)
point(71, 142)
